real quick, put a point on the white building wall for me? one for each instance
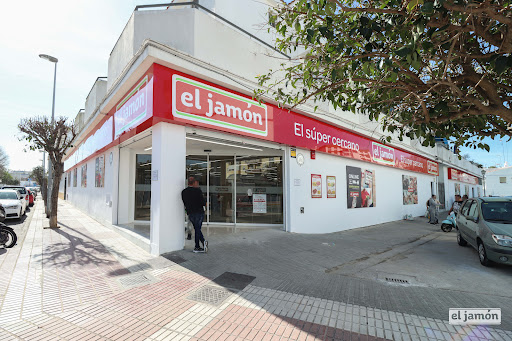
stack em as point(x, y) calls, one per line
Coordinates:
point(325, 215)
point(493, 187)
point(98, 91)
point(98, 202)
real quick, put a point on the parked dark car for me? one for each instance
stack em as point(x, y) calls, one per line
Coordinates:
point(486, 224)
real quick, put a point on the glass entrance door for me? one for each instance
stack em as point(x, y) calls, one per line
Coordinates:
point(256, 180)
point(222, 176)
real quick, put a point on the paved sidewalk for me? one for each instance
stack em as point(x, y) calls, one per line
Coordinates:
point(85, 282)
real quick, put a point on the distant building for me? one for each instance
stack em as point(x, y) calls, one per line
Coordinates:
point(20, 175)
point(498, 181)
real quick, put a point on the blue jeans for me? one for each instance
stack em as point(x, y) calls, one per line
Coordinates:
point(197, 220)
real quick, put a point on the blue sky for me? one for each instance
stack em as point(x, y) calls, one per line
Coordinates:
point(81, 34)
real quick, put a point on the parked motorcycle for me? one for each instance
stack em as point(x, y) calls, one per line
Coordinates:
point(8, 237)
point(449, 223)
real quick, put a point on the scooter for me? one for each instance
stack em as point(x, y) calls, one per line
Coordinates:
point(8, 237)
point(449, 223)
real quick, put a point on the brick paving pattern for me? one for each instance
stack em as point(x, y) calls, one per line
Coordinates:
point(64, 284)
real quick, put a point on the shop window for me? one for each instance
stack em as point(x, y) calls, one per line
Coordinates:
point(143, 187)
point(99, 172)
point(84, 176)
point(503, 179)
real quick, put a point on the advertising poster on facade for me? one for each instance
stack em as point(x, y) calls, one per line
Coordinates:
point(410, 189)
point(360, 187)
point(331, 186)
point(84, 176)
point(466, 190)
point(316, 186)
point(259, 203)
point(457, 189)
point(75, 171)
point(478, 192)
point(99, 173)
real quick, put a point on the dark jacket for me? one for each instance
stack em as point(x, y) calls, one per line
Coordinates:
point(193, 200)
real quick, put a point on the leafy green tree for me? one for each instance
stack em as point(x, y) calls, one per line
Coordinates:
point(422, 68)
point(38, 174)
point(55, 138)
point(7, 179)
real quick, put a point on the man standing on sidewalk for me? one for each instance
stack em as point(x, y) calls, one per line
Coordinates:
point(194, 202)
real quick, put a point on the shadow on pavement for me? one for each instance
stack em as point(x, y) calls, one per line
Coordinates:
point(79, 250)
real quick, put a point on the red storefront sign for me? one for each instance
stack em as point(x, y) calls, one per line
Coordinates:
point(166, 95)
point(457, 175)
point(200, 103)
point(298, 130)
point(134, 108)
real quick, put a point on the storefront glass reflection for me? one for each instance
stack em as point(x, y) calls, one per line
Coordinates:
point(143, 187)
point(258, 182)
point(222, 174)
point(259, 190)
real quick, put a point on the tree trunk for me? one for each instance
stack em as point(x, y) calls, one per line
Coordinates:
point(44, 192)
point(57, 175)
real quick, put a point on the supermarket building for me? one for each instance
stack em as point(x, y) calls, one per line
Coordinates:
point(177, 102)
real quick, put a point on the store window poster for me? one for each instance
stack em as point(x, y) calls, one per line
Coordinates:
point(466, 190)
point(99, 172)
point(360, 187)
point(75, 172)
point(331, 186)
point(84, 176)
point(410, 189)
point(457, 189)
point(478, 192)
point(316, 186)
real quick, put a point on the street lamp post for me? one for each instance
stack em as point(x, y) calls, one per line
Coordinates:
point(50, 166)
point(483, 180)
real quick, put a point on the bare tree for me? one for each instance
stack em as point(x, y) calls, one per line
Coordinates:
point(55, 138)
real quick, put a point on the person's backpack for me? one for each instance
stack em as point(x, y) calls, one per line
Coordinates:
point(428, 202)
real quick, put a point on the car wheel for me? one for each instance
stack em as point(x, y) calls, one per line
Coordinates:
point(461, 241)
point(482, 255)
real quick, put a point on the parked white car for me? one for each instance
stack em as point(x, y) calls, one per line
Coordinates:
point(13, 203)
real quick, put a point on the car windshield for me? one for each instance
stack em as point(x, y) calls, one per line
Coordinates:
point(8, 195)
point(497, 211)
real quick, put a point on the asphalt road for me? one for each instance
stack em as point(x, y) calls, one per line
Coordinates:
point(405, 266)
